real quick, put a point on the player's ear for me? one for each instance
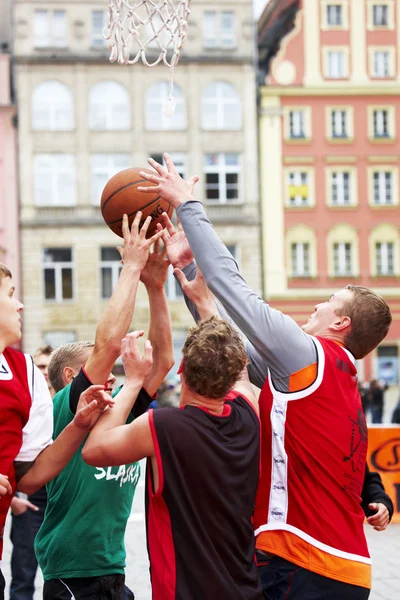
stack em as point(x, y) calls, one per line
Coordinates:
point(68, 375)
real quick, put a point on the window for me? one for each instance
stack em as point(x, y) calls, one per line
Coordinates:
point(342, 259)
point(381, 64)
point(383, 187)
point(334, 16)
point(335, 64)
point(381, 123)
point(98, 22)
point(105, 166)
point(50, 28)
point(156, 99)
point(179, 160)
point(380, 15)
point(52, 107)
point(221, 107)
point(54, 179)
point(384, 256)
point(109, 107)
point(300, 259)
point(55, 339)
point(222, 178)
point(297, 124)
point(298, 188)
point(339, 124)
point(219, 29)
point(172, 287)
point(58, 274)
point(110, 268)
point(340, 188)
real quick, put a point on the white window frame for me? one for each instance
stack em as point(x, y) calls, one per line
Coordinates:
point(222, 169)
point(59, 337)
point(58, 267)
point(349, 123)
point(59, 112)
point(381, 117)
point(325, 25)
point(343, 259)
point(296, 177)
point(342, 181)
point(390, 15)
point(50, 38)
point(340, 117)
point(300, 259)
point(59, 165)
point(115, 266)
point(381, 169)
point(172, 288)
point(112, 164)
point(385, 259)
point(214, 35)
point(290, 114)
point(97, 39)
point(380, 185)
point(331, 10)
point(178, 122)
point(219, 102)
point(381, 62)
point(333, 70)
point(104, 112)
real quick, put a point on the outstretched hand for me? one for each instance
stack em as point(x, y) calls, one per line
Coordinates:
point(92, 403)
point(168, 183)
point(136, 247)
point(176, 244)
point(136, 366)
point(198, 292)
point(155, 271)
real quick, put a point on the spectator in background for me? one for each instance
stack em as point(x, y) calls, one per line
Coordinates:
point(376, 400)
point(27, 517)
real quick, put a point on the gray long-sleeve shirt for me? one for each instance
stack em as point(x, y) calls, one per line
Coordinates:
point(276, 341)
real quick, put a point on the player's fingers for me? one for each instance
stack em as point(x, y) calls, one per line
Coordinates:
point(135, 334)
point(169, 163)
point(192, 181)
point(136, 223)
point(145, 227)
point(159, 168)
point(155, 237)
point(181, 277)
point(125, 227)
point(148, 351)
point(152, 177)
point(168, 223)
point(32, 506)
point(163, 252)
point(157, 246)
point(149, 189)
point(87, 410)
point(5, 487)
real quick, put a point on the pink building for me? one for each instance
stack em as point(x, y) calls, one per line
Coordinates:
point(9, 228)
point(330, 150)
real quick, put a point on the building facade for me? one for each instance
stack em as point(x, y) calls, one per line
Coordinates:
point(329, 157)
point(83, 119)
point(9, 226)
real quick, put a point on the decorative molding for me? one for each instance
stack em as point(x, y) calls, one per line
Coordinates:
point(294, 160)
point(339, 160)
point(383, 159)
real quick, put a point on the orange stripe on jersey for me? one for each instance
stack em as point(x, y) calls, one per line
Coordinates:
point(298, 551)
point(304, 378)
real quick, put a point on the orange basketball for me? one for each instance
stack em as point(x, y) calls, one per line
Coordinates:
point(121, 196)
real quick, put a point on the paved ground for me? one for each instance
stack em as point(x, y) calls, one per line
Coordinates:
point(384, 547)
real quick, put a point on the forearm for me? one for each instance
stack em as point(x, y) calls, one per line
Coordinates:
point(96, 445)
point(276, 337)
point(160, 336)
point(117, 316)
point(53, 459)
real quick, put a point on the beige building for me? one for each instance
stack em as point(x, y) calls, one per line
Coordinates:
point(82, 119)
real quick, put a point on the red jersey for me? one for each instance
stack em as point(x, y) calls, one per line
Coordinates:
point(15, 404)
point(314, 446)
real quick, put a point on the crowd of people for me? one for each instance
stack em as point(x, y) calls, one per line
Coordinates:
point(247, 497)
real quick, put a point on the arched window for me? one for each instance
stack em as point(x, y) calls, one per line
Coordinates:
point(384, 250)
point(301, 252)
point(156, 100)
point(52, 107)
point(109, 107)
point(343, 254)
point(221, 107)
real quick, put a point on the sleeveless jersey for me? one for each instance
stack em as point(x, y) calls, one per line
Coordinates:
point(314, 446)
point(199, 530)
point(15, 404)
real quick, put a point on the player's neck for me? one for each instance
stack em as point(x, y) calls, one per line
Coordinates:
point(190, 398)
point(3, 345)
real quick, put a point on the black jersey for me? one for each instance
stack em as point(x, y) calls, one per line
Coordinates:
point(200, 535)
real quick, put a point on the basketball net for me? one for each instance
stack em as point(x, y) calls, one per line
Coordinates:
point(156, 26)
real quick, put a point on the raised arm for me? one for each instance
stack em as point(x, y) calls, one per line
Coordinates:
point(111, 441)
point(117, 316)
point(154, 276)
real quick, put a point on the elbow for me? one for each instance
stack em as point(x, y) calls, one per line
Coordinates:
point(109, 340)
point(27, 487)
point(93, 457)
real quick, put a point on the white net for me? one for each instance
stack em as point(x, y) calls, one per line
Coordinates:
point(149, 30)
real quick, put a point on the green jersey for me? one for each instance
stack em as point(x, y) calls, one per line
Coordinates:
point(83, 531)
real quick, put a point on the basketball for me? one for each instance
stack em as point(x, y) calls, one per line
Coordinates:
point(121, 196)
